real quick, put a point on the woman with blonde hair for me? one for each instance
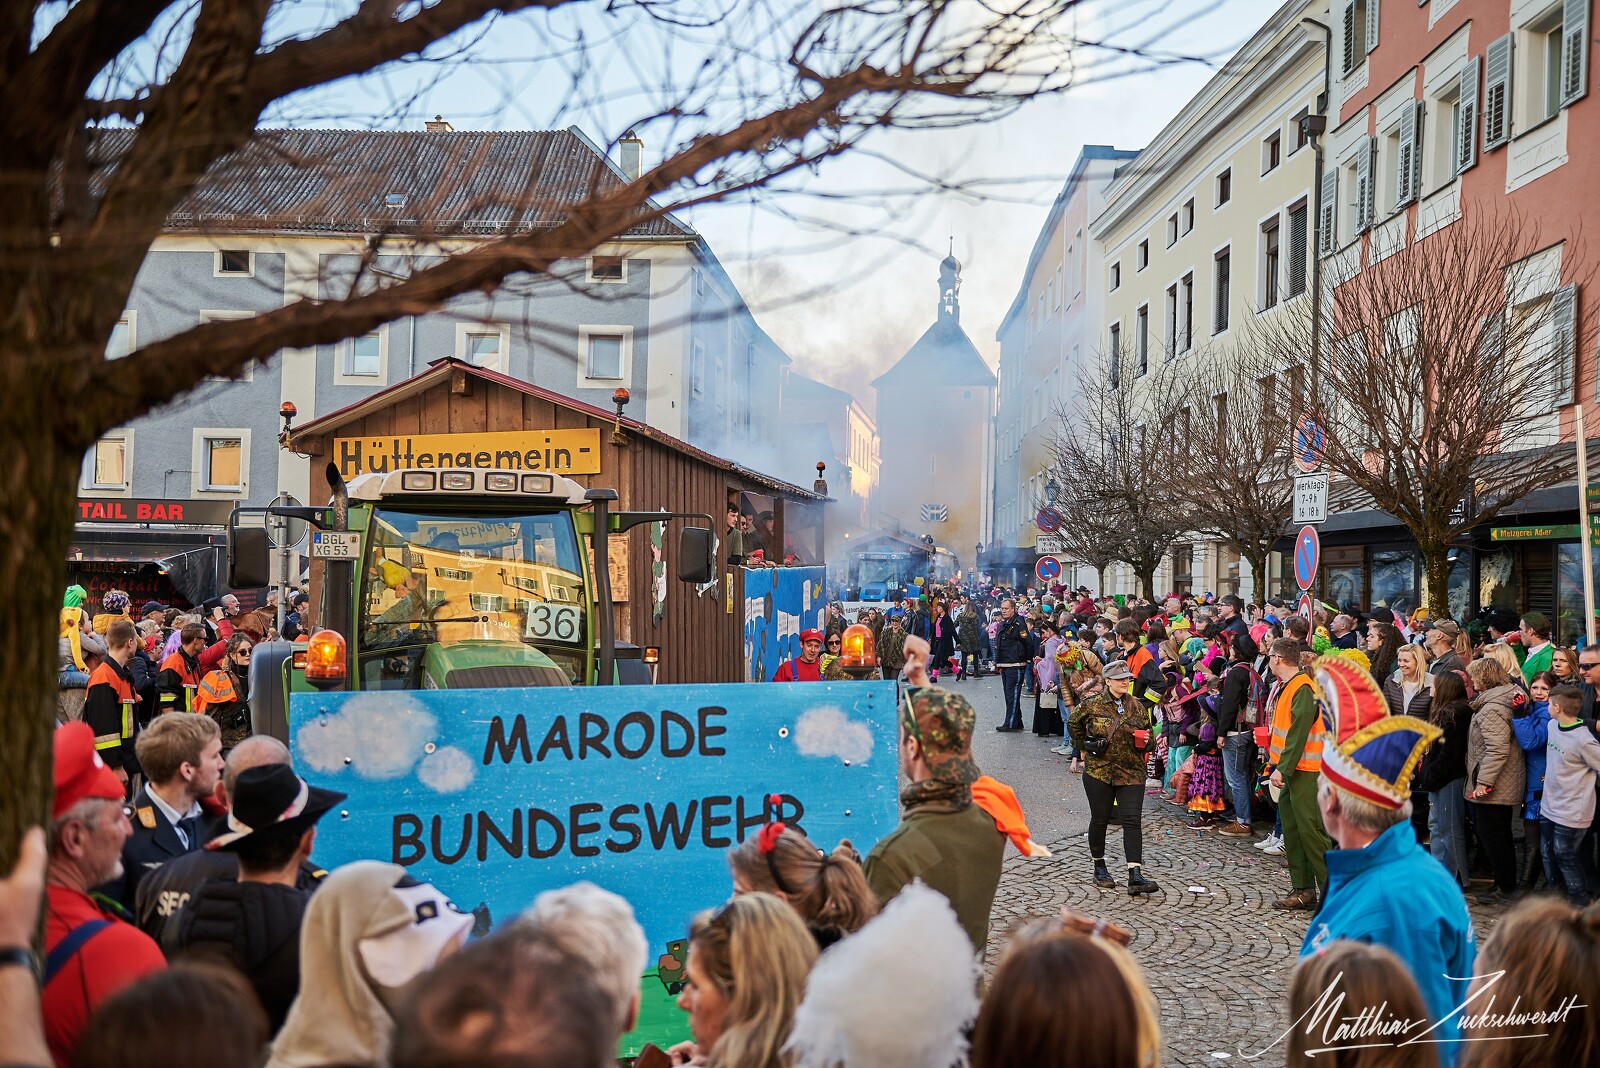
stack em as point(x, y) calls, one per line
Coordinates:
point(1549, 954)
point(1368, 977)
point(1502, 654)
point(827, 890)
point(747, 968)
point(1066, 994)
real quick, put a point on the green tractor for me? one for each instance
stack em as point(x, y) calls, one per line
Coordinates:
point(458, 578)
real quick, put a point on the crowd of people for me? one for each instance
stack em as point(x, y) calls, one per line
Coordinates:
point(190, 925)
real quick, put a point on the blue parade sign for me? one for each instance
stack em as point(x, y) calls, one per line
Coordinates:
point(1307, 556)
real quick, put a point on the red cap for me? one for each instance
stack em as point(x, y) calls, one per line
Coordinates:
point(811, 634)
point(79, 771)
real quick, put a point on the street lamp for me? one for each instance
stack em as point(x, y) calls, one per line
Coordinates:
point(1051, 488)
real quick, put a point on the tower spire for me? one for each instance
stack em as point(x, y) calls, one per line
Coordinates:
point(950, 286)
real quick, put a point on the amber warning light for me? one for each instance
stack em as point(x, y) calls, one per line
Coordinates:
point(325, 660)
point(858, 650)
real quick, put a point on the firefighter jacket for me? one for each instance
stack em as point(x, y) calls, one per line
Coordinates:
point(108, 708)
point(178, 683)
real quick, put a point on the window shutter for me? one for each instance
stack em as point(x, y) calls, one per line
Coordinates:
point(1574, 50)
point(1372, 25)
point(1467, 134)
point(1327, 236)
point(1349, 36)
point(1563, 344)
point(1405, 169)
point(1364, 190)
point(1491, 341)
point(1497, 93)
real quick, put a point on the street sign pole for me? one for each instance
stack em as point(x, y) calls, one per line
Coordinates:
point(1583, 527)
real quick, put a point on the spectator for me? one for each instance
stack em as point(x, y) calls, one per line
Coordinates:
point(1295, 755)
point(1066, 996)
point(1445, 640)
point(294, 622)
point(1343, 631)
point(892, 646)
point(1149, 684)
point(1588, 665)
point(1108, 728)
point(78, 644)
point(1373, 983)
point(90, 953)
point(1237, 712)
point(968, 643)
point(253, 922)
point(1568, 805)
point(1506, 656)
point(220, 1023)
point(1529, 725)
point(109, 702)
point(1013, 656)
point(1442, 772)
point(369, 931)
point(598, 926)
point(1537, 650)
point(855, 1013)
point(21, 891)
point(182, 760)
point(114, 609)
point(1549, 952)
point(516, 998)
point(828, 890)
point(178, 677)
point(1364, 798)
point(1229, 609)
point(1495, 773)
point(1383, 647)
point(943, 838)
point(747, 968)
point(807, 667)
point(1564, 666)
point(224, 693)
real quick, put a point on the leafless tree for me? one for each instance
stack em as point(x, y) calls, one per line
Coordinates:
point(1117, 475)
point(1231, 426)
point(112, 112)
point(1449, 375)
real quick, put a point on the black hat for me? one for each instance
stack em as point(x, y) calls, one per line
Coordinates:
point(270, 801)
point(153, 606)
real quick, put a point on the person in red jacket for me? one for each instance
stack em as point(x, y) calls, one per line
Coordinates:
point(808, 666)
point(90, 951)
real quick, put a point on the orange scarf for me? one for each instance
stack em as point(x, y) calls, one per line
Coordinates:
point(1000, 802)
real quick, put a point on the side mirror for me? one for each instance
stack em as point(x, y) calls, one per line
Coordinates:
point(696, 555)
point(249, 558)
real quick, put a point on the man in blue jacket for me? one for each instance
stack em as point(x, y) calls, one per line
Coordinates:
point(1383, 887)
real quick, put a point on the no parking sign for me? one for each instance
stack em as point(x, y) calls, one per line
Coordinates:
point(1048, 569)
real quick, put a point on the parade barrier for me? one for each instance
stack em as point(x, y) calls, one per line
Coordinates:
point(495, 795)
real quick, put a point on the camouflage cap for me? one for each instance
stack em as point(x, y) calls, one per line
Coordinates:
point(942, 722)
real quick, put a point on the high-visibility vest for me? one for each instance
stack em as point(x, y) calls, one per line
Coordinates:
point(108, 675)
point(1311, 756)
point(189, 679)
point(215, 689)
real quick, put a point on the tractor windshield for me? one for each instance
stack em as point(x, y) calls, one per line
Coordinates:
point(450, 579)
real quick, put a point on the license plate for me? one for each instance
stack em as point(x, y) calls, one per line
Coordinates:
point(335, 545)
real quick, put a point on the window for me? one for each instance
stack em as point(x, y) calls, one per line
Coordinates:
point(248, 373)
point(483, 350)
point(1172, 229)
point(363, 355)
point(1143, 259)
point(105, 467)
point(1297, 387)
point(1266, 389)
point(1356, 45)
point(1224, 187)
point(222, 463)
point(1220, 401)
point(1142, 340)
point(1295, 283)
point(608, 269)
point(1269, 263)
point(1271, 152)
point(233, 261)
point(1172, 322)
point(697, 369)
point(1187, 221)
point(1058, 279)
point(605, 355)
point(1497, 93)
point(121, 342)
point(1116, 276)
point(1301, 140)
point(1116, 355)
point(1221, 293)
point(1186, 302)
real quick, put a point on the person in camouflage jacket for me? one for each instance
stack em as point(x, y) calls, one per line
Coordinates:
point(967, 641)
point(1113, 781)
point(892, 646)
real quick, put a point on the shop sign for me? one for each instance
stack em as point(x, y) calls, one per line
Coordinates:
point(561, 452)
point(138, 510)
point(1547, 533)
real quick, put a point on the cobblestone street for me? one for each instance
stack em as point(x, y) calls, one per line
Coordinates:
point(1213, 949)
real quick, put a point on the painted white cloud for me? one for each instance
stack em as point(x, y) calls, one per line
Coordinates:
point(382, 735)
point(447, 770)
point(825, 731)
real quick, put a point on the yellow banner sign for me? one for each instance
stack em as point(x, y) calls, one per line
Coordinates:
point(561, 452)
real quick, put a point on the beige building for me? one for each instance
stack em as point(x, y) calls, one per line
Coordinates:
point(1208, 228)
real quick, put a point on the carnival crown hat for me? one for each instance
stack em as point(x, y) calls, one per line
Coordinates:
point(1374, 758)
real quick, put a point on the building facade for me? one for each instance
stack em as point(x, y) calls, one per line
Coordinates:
point(1450, 111)
point(1208, 228)
point(935, 409)
point(1049, 339)
point(318, 214)
point(821, 424)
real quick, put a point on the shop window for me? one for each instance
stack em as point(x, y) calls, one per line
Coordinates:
point(1497, 580)
point(1394, 579)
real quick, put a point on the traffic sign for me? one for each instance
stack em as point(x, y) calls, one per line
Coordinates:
point(1048, 520)
point(1048, 569)
point(285, 532)
point(1311, 498)
point(1309, 440)
point(1306, 607)
point(1049, 544)
point(1307, 556)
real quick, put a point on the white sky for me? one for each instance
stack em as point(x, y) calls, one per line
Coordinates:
point(844, 305)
